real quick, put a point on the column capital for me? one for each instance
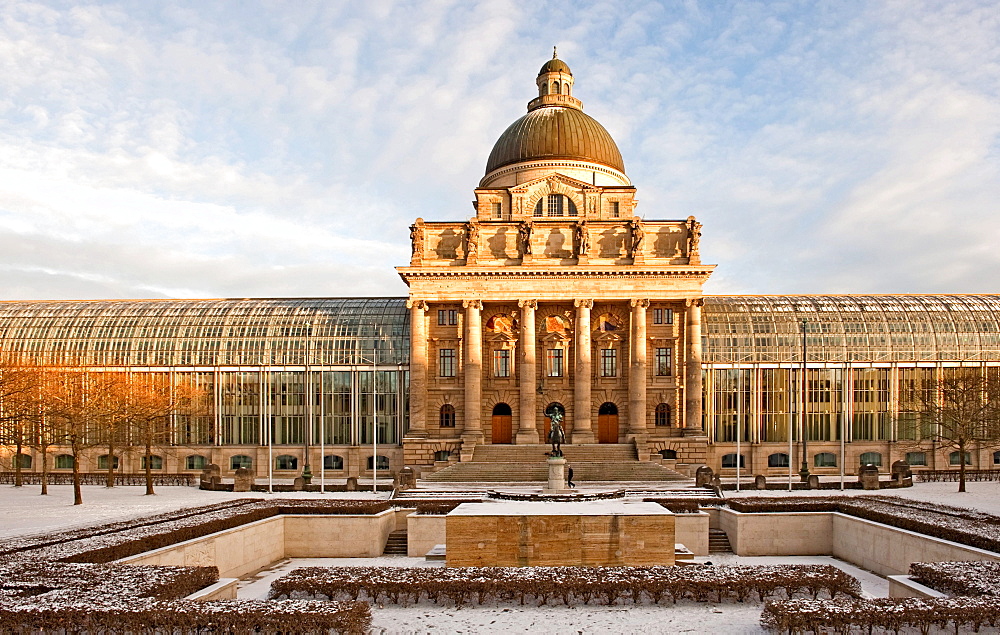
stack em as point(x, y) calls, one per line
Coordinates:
point(583, 304)
point(417, 304)
point(528, 304)
point(472, 304)
point(637, 303)
point(694, 302)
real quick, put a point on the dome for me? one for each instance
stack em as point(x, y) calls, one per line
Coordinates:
point(555, 65)
point(555, 132)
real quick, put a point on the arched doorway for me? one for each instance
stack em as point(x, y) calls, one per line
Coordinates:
point(607, 423)
point(501, 423)
point(551, 409)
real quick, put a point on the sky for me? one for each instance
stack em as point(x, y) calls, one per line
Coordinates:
point(281, 149)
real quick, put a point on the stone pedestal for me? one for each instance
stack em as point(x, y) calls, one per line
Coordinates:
point(557, 475)
point(243, 481)
point(592, 533)
point(868, 477)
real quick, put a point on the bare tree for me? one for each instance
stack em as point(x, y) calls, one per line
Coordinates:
point(79, 403)
point(962, 408)
point(152, 401)
point(19, 383)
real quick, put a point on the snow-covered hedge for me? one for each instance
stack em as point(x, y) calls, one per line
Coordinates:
point(964, 526)
point(959, 578)
point(962, 614)
point(570, 585)
point(144, 615)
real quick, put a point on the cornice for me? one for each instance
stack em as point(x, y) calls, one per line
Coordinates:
point(566, 272)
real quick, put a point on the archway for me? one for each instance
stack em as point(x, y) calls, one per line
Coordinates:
point(607, 423)
point(501, 424)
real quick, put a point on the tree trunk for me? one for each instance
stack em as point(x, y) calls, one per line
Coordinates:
point(77, 493)
point(149, 469)
point(18, 479)
point(45, 470)
point(961, 467)
point(111, 465)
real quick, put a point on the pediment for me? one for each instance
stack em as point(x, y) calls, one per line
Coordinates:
point(552, 180)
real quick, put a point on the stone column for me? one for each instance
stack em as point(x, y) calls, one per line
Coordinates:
point(418, 368)
point(692, 370)
point(473, 370)
point(637, 370)
point(527, 409)
point(583, 427)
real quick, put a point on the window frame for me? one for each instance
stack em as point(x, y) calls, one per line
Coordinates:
point(554, 362)
point(446, 416)
point(447, 362)
point(501, 363)
point(609, 362)
point(663, 361)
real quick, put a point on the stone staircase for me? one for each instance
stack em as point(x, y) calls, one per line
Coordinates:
point(396, 545)
point(605, 462)
point(718, 542)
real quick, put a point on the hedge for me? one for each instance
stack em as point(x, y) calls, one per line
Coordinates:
point(570, 585)
point(889, 614)
point(979, 578)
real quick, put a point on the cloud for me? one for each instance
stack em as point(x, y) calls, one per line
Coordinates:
point(252, 149)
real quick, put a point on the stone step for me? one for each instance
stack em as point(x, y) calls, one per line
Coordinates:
point(397, 544)
point(718, 542)
point(538, 472)
point(597, 452)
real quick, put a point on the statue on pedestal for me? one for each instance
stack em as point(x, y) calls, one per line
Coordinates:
point(556, 434)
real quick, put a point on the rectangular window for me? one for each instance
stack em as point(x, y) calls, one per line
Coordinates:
point(664, 362)
point(442, 317)
point(501, 363)
point(663, 316)
point(446, 362)
point(615, 209)
point(555, 205)
point(497, 210)
point(609, 362)
point(452, 317)
point(554, 360)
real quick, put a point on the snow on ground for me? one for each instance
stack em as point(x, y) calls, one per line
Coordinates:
point(24, 512)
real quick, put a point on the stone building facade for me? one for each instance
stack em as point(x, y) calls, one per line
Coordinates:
point(555, 297)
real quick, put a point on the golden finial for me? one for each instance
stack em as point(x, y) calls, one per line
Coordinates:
point(554, 56)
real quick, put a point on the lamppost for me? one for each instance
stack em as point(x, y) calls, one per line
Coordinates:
point(307, 389)
point(804, 469)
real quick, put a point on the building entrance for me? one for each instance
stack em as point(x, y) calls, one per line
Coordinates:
point(502, 424)
point(607, 423)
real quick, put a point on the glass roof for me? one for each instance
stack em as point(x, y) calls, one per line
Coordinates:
point(851, 328)
point(251, 332)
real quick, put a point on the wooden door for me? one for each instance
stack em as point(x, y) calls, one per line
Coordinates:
point(502, 429)
point(546, 428)
point(607, 428)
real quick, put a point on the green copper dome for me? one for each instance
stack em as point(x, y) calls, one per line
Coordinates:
point(555, 132)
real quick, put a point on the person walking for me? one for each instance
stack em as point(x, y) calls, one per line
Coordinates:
point(569, 476)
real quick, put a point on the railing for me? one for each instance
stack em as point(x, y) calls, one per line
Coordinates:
point(100, 478)
point(936, 476)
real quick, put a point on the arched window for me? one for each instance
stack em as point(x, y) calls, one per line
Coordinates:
point(916, 458)
point(825, 459)
point(668, 454)
point(871, 458)
point(663, 414)
point(383, 462)
point(102, 462)
point(333, 462)
point(555, 87)
point(442, 455)
point(64, 462)
point(155, 462)
point(953, 458)
point(778, 459)
point(286, 462)
point(729, 460)
point(25, 461)
point(565, 90)
point(195, 462)
point(446, 417)
point(996, 458)
point(240, 460)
